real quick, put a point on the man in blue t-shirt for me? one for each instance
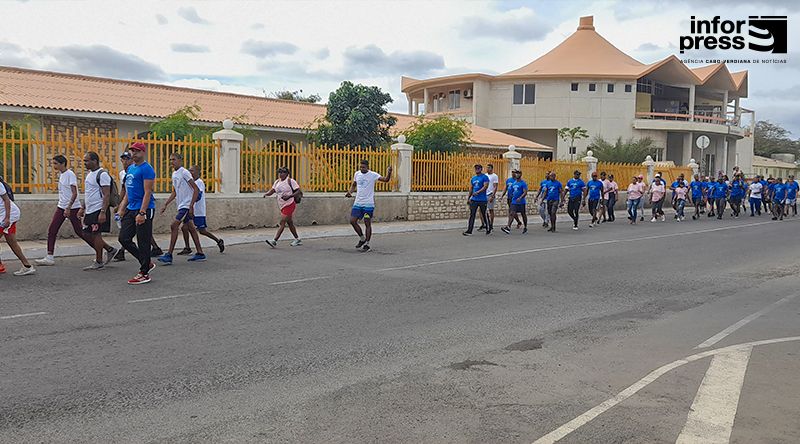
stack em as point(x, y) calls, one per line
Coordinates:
point(137, 210)
point(696, 188)
point(507, 194)
point(594, 189)
point(711, 185)
point(791, 196)
point(779, 191)
point(554, 194)
point(519, 191)
point(720, 194)
point(577, 197)
point(477, 199)
point(738, 190)
point(542, 201)
point(765, 190)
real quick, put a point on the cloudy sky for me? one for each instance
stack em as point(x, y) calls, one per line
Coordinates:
point(256, 47)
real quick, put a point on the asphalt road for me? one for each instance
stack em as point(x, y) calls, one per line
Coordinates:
point(430, 337)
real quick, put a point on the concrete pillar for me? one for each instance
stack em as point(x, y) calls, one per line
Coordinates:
point(725, 104)
point(691, 102)
point(404, 154)
point(694, 166)
point(410, 104)
point(737, 112)
point(425, 100)
point(416, 108)
point(512, 157)
point(591, 164)
point(687, 146)
point(651, 168)
point(724, 163)
point(229, 166)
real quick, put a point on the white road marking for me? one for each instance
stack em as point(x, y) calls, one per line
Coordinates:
point(711, 416)
point(721, 335)
point(300, 280)
point(24, 315)
point(596, 411)
point(169, 297)
point(564, 247)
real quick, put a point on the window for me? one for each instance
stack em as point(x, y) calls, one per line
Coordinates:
point(644, 86)
point(592, 87)
point(628, 88)
point(574, 86)
point(455, 99)
point(524, 94)
point(610, 87)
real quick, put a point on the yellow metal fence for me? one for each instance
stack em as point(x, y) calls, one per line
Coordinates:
point(436, 171)
point(26, 156)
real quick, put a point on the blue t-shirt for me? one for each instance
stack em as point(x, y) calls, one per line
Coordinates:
point(780, 191)
point(575, 187)
point(134, 185)
point(791, 189)
point(477, 183)
point(710, 187)
point(697, 189)
point(543, 186)
point(595, 189)
point(737, 188)
point(554, 188)
point(720, 190)
point(509, 181)
point(517, 189)
point(771, 188)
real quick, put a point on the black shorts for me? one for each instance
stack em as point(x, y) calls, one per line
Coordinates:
point(92, 225)
point(517, 208)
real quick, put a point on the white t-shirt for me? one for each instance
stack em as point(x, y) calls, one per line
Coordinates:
point(65, 182)
point(284, 188)
point(755, 190)
point(14, 208)
point(365, 188)
point(183, 191)
point(93, 194)
point(200, 205)
point(493, 180)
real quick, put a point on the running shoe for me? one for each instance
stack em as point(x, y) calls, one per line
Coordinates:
point(25, 271)
point(663, 218)
point(273, 243)
point(156, 252)
point(466, 233)
point(197, 257)
point(653, 220)
point(165, 259)
point(120, 257)
point(505, 230)
point(110, 255)
point(544, 224)
point(152, 267)
point(575, 228)
point(2, 268)
point(365, 247)
point(139, 279)
point(525, 230)
point(46, 261)
point(185, 252)
point(482, 228)
point(94, 266)
point(591, 225)
point(296, 243)
point(362, 242)
point(221, 245)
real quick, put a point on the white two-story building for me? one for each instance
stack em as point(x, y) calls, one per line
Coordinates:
point(586, 81)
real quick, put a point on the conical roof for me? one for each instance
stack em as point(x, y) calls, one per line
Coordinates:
point(583, 54)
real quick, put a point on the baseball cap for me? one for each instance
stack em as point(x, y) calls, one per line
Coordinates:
point(640, 176)
point(139, 146)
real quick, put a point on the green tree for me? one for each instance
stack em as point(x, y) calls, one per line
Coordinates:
point(356, 115)
point(770, 138)
point(180, 124)
point(439, 134)
point(15, 149)
point(296, 96)
point(572, 134)
point(628, 151)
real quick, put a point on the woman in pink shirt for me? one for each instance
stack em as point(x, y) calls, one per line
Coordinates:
point(680, 199)
point(287, 191)
point(635, 193)
point(657, 193)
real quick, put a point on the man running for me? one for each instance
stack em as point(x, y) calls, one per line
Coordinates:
point(137, 211)
point(542, 201)
point(519, 190)
point(184, 193)
point(479, 183)
point(364, 206)
point(696, 188)
point(595, 192)
point(577, 197)
point(9, 216)
point(490, 195)
point(95, 211)
point(554, 195)
point(67, 208)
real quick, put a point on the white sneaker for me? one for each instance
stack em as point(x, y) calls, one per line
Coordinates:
point(24, 271)
point(296, 243)
point(591, 225)
point(271, 243)
point(45, 261)
point(574, 228)
point(94, 266)
point(653, 220)
point(663, 218)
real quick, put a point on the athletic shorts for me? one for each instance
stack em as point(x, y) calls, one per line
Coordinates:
point(11, 229)
point(288, 210)
point(517, 208)
point(362, 212)
point(200, 222)
point(791, 201)
point(490, 205)
point(91, 222)
point(697, 201)
point(183, 215)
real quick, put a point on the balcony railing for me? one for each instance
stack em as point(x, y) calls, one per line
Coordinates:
point(685, 117)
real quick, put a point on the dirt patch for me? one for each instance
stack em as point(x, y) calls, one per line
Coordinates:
point(468, 364)
point(526, 345)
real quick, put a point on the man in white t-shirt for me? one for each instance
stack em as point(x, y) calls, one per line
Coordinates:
point(200, 213)
point(364, 206)
point(95, 210)
point(184, 193)
point(9, 215)
point(491, 190)
point(67, 208)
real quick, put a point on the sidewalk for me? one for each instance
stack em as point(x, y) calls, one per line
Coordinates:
point(76, 247)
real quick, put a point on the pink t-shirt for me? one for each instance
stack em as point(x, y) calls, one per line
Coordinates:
point(635, 190)
point(658, 191)
point(284, 188)
point(680, 192)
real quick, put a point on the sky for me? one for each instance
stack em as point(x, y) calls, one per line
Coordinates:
point(258, 47)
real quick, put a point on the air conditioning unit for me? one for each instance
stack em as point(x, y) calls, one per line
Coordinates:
point(467, 93)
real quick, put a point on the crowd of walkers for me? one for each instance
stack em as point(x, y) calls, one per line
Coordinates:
point(707, 195)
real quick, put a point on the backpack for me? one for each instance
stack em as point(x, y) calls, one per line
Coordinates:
point(9, 191)
point(299, 196)
point(113, 199)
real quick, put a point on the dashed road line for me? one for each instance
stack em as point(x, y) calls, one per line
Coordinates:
point(174, 296)
point(23, 315)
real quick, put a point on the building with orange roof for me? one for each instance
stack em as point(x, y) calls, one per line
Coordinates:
point(586, 81)
point(67, 101)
